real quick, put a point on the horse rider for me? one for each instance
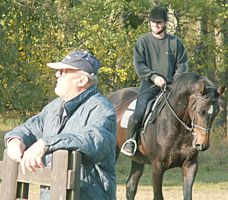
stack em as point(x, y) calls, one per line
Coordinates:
point(159, 58)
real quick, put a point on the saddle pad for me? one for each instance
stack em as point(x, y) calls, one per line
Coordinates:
point(150, 115)
point(130, 110)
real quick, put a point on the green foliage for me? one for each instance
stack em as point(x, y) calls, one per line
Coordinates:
point(33, 33)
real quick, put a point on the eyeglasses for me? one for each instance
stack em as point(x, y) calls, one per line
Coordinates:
point(64, 72)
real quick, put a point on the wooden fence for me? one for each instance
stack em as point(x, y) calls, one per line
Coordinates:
point(63, 178)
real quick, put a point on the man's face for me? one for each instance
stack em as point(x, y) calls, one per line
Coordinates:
point(67, 86)
point(157, 27)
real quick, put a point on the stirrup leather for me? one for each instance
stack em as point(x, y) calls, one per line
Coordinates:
point(125, 152)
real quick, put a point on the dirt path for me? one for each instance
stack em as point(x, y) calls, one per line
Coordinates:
point(170, 193)
point(175, 193)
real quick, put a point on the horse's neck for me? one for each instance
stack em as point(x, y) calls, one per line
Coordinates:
point(180, 107)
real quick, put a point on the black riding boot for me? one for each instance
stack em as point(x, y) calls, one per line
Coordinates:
point(130, 146)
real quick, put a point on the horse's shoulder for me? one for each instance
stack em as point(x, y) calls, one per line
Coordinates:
point(123, 95)
point(133, 90)
point(125, 91)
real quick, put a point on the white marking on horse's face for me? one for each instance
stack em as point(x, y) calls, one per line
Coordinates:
point(211, 110)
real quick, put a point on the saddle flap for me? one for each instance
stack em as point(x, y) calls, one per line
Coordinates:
point(150, 111)
point(127, 114)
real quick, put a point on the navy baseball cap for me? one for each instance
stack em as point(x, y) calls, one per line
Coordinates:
point(81, 60)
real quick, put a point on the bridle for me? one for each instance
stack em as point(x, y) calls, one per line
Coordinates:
point(193, 124)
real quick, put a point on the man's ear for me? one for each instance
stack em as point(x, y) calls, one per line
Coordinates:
point(83, 81)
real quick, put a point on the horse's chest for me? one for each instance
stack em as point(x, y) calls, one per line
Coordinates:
point(176, 157)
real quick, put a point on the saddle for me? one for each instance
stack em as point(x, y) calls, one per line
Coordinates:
point(153, 109)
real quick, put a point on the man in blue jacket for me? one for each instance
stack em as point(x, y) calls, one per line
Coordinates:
point(79, 119)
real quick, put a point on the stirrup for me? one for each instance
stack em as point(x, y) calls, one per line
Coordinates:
point(125, 152)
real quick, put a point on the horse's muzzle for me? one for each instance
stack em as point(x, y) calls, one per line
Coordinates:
point(202, 147)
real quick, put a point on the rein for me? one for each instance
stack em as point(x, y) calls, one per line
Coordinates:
point(174, 113)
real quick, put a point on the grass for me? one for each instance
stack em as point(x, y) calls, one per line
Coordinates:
point(5, 125)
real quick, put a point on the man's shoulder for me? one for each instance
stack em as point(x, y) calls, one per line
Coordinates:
point(53, 105)
point(102, 102)
point(144, 36)
point(55, 101)
point(173, 37)
point(143, 40)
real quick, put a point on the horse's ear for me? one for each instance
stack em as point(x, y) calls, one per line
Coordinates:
point(221, 90)
point(201, 87)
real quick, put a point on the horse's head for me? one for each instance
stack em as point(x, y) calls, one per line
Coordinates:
point(196, 100)
point(203, 107)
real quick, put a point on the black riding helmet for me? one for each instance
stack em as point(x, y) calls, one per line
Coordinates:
point(158, 13)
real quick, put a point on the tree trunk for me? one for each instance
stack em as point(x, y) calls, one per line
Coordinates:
point(226, 121)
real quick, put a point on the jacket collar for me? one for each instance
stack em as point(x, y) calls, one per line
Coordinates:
point(72, 105)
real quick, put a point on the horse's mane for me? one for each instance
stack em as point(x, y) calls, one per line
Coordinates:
point(184, 83)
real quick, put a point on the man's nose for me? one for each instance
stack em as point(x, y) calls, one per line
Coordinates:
point(57, 74)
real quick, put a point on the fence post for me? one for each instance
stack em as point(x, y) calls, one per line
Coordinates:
point(9, 179)
point(59, 175)
point(75, 168)
point(64, 177)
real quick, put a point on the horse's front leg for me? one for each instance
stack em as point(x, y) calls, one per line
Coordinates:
point(133, 179)
point(157, 179)
point(189, 170)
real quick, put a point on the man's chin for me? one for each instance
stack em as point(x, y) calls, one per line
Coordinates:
point(158, 32)
point(57, 91)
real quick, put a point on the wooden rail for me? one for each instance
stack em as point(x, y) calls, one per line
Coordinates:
point(63, 177)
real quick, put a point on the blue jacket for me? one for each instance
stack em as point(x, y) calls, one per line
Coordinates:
point(90, 127)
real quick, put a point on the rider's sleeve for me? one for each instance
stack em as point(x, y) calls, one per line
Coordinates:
point(142, 69)
point(182, 60)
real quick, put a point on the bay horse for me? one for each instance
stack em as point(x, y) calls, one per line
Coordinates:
point(177, 134)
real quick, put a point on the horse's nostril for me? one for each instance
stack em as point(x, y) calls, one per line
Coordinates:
point(198, 147)
point(205, 147)
point(202, 147)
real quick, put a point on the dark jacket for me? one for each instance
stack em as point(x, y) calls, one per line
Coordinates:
point(164, 57)
point(90, 128)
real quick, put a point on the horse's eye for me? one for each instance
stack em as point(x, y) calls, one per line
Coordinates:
point(201, 112)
